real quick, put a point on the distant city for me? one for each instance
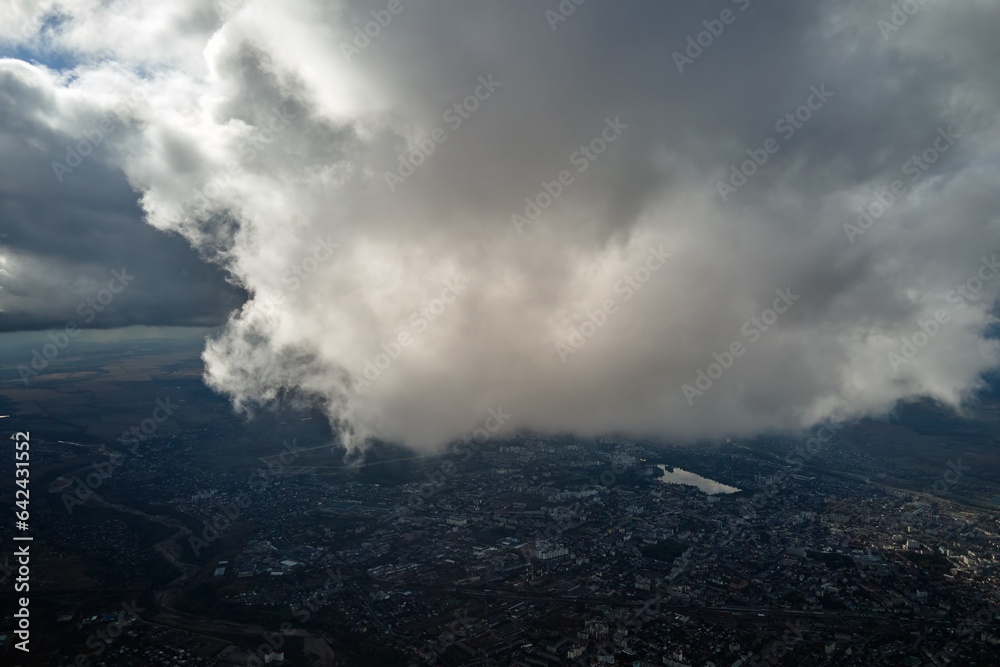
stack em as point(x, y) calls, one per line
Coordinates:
point(526, 550)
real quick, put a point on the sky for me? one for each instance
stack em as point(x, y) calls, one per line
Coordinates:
point(459, 219)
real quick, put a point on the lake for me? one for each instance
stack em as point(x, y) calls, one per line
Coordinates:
point(709, 486)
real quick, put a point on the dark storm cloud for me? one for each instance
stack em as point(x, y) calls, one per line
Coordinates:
point(679, 220)
point(67, 231)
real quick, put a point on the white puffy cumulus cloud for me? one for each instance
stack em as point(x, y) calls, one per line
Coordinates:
point(442, 210)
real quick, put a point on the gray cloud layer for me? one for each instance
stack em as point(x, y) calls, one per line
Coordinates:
point(268, 129)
